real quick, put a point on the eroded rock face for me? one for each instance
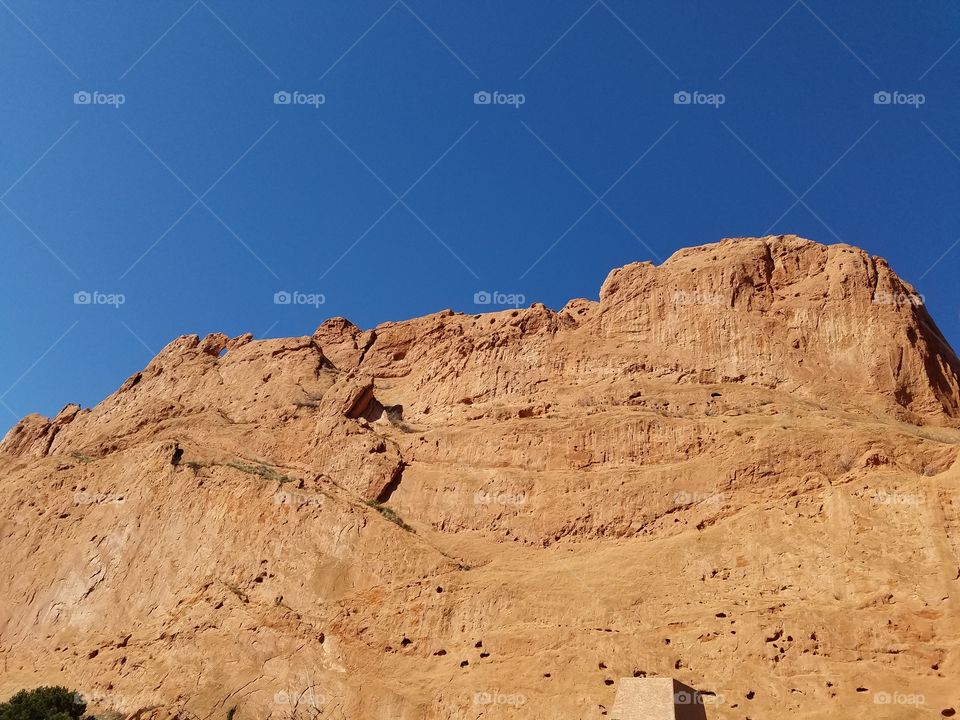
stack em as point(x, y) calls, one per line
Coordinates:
point(343, 342)
point(737, 469)
point(785, 311)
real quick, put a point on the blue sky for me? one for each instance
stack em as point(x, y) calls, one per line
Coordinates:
point(183, 189)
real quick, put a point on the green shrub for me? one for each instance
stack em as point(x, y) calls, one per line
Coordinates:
point(390, 515)
point(44, 703)
point(264, 471)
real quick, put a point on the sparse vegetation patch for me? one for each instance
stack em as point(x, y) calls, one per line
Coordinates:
point(390, 515)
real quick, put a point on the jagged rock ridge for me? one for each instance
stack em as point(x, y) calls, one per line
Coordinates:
point(738, 469)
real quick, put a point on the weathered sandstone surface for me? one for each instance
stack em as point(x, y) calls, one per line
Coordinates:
point(737, 469)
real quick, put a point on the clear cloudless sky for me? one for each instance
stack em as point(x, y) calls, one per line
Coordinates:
point(199, 198)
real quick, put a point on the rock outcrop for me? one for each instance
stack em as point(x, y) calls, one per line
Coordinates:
point(737, 469)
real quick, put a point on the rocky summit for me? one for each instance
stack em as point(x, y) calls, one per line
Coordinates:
point(737, 470)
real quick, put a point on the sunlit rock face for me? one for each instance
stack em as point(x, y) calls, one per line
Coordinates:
point(737, 470)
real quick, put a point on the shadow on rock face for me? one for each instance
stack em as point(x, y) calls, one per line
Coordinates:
point(687, 703)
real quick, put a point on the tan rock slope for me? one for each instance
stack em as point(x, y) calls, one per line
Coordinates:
point(738, 469)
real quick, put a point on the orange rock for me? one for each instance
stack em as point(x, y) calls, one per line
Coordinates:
point(737, 469)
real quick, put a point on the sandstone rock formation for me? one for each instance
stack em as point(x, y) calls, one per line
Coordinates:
point(737, 469)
